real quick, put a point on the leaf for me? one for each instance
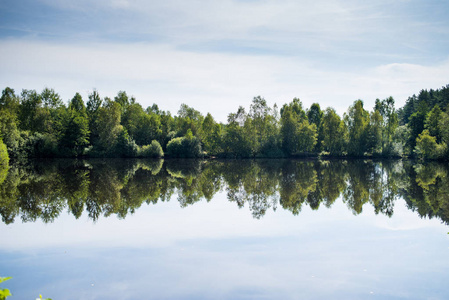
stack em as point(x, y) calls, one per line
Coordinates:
point(4, 279)
point(4, 293)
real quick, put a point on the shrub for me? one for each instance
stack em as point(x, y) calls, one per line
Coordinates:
point(184, 147)
point(152, 150)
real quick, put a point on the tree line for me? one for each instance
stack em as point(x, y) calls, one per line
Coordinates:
point(42, 190)
point(36, 124)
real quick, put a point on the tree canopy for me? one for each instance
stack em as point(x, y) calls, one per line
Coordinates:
point(35, 124)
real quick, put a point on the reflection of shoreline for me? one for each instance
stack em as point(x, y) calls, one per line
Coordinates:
point(45, 188)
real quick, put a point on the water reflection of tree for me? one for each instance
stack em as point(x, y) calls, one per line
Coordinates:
point(356, 193)
point(298, 180)
point(9, 194)
point(193, 179)
point(40, 196)
point(43, 189)
point(115, 189)
point(427, 190)
point(385, 184)
point(253, 183)
point(331, 182)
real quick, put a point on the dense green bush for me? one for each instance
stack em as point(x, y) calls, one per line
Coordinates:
point(153, 150)
point(185, 147)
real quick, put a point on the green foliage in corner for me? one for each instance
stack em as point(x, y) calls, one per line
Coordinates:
point(4, 292)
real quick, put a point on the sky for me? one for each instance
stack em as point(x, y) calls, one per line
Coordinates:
point(165, 251)
point(217, 55)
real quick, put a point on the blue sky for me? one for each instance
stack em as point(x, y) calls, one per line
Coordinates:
point(217, 55)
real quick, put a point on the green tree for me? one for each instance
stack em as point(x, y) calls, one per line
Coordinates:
point(237, 143)
point(41, 115)
point(51, 99)
point(94, 103)
point(212, 138)
point(296, 107)
point(10, 132)
point(297, 135)
point(30, 103)
point(293, 124)
point(188, 118)
point(132, 118)
point(40, 112)
point(52, 113)
point(334, 132)
point(75, 136)
point(400, 144)
point(125, 146)
point(92, 108)
point(124, 100)
point(416, 123)
point(262, 126)
point(307, 137)
point(443, 124)
point(142, 126)
point(4, 157)
point(428, 98)
point(167, 124)
point(108, 124)
point(288, 132)
point(431, 123)
point(357, 120)
point(149, 129)
point(374, 133)
point(10, 101)
point(256, 122)
point(427, 146)
point(315, 116)
point(77, 104)
point(390, 123)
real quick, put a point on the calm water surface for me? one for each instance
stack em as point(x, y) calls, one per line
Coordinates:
point(275, 229)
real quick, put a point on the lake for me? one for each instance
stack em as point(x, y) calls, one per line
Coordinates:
point(237, 229)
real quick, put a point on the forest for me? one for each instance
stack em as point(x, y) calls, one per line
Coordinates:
point(36, 125)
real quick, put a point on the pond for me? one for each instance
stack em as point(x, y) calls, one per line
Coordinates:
point(243, 229)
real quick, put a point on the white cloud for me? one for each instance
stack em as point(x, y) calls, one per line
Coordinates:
point(210, 82)
point(287, 21)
